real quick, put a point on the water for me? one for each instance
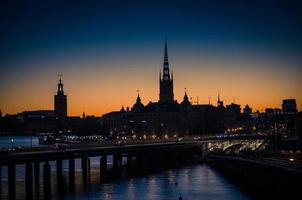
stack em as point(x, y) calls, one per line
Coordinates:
point(25, 141)
point(193, 182)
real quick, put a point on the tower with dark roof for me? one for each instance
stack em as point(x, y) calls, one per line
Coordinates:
point(138, 106)
point(60, 102)
point(166, 81)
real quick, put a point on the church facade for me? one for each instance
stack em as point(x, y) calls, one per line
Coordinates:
point(166, 117)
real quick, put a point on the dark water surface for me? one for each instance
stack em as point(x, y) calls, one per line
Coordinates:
point(193, 182)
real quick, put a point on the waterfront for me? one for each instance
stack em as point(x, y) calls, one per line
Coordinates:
point(193, 181)
point(13, 140)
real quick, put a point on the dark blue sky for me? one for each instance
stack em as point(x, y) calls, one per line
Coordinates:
point(34, 26)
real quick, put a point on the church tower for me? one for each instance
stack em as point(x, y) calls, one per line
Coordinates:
point(60, 102)
point(166, 81)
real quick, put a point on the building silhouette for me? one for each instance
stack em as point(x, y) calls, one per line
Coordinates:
point(166, 81)
point(289, 106)
point(60, 106)
point(247, 109)
point(166, 117)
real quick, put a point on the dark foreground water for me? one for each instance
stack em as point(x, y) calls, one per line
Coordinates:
point(192, 182)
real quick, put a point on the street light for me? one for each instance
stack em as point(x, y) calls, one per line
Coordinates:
point(12, 141)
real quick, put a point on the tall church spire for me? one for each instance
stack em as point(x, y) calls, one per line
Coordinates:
point(166, 71)
point(166, 81)
point(166, 60)
point(218, 97)
point(219, 102)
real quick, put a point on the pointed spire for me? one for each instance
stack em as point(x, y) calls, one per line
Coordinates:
point(186, 99)
point(60, 85)
point(166, 72)
point(166, 51)
point(186, 96)
point(159, 74)
point(138, 99)
point(218, 97)
point(219, 102)
point(60, 75)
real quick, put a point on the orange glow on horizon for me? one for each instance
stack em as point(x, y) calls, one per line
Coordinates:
point(98, 90)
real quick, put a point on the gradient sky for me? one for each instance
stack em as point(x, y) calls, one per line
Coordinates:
point(248, 50)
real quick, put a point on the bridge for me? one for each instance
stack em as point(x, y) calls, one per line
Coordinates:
point(137, 156)
point(263, 177)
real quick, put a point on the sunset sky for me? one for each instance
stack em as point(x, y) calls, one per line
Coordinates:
point(249, 51)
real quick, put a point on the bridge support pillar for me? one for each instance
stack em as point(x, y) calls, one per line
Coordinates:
point(37, 177)
point(165, 159)
point(129, 163)
point(0, 181)
point(144, 161)
point(84, 170)
point(59, 172)
point(117, 163)
point(120, 161)
point(103, 167)
point(89, 170)
point(29, 181)
point(71, 172)
point(12, 181)
point(129, 159)
point(47, 179)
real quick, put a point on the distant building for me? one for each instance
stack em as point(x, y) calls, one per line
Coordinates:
point(38, 121)
point(219, 102)
point(273, 111)
point(60, 104)
point(298, 123)
point(167, 117)
point(232, 115)
point(247, 109)
point(289, 106)
point(38, 114)
point(166, 81)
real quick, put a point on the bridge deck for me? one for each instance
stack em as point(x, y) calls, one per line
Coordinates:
point(76, 152)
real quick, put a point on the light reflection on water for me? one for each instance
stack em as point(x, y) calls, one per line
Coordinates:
point(193, 182)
